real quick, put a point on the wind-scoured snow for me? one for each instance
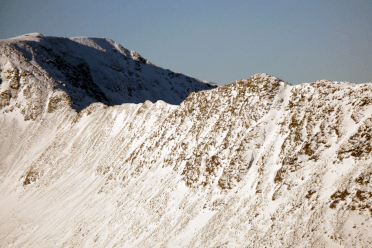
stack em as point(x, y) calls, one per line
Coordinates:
point(257, 163)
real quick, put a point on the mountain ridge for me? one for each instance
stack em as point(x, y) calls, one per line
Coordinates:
point(257, 163)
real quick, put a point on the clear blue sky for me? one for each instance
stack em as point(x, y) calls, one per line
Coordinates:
point(218, 41)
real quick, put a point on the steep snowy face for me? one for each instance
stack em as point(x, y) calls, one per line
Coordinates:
point(81, 71)
point(256, 163)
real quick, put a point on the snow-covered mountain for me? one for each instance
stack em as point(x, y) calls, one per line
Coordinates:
point(85, 70)
point(257, 163)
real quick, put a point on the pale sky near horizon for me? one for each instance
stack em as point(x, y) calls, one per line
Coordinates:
point(219, 41)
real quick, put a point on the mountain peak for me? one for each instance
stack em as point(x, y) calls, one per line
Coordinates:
point(88, 70)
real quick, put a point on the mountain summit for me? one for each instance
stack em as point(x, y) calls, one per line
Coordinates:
point(84, 71)
point(256, 163)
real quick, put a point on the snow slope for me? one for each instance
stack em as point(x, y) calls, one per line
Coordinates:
point(257, 163)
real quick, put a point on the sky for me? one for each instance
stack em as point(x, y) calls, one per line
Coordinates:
point(217, 40)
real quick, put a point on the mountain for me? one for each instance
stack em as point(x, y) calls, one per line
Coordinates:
point(83, 71)
point(256, 163)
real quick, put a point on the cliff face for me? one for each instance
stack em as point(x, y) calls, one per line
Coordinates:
point(257, 163)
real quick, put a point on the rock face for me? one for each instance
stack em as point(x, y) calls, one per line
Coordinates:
point(257, 163)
